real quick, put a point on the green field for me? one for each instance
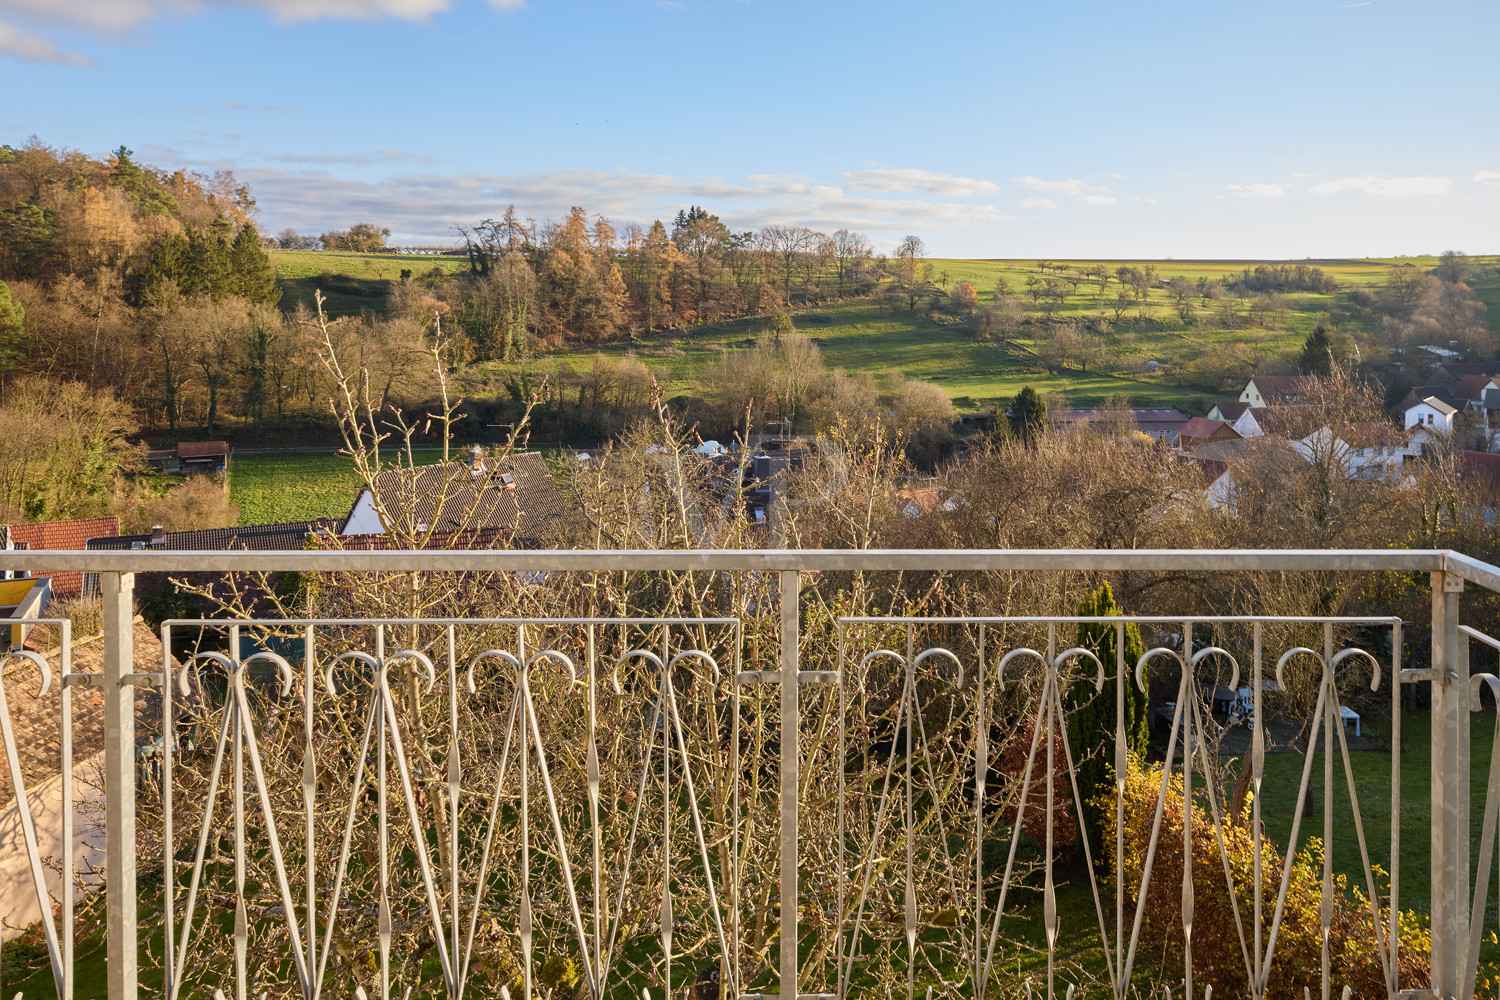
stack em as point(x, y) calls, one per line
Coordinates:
point(862, 336)
point(298, 486)
point(350, 282)
point(292, 486)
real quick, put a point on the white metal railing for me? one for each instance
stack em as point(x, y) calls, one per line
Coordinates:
point(263, 855)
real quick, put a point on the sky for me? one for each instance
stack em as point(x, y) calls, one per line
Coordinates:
point(1140, 128)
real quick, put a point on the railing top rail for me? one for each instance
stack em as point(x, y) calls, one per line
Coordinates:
point(275, 622)
point(1112, 619)
point(811, 560)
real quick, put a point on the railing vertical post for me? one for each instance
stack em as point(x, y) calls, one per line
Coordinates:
point(1450, 789)
point(118, 590)
point(790, 727)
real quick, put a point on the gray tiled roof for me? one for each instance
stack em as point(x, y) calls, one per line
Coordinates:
point(255, 537)
point(516, 493)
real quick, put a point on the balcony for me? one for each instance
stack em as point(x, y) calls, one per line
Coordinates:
point(626, 805)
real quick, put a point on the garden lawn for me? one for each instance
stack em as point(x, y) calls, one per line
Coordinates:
point(1372, 774)
point(291, 486)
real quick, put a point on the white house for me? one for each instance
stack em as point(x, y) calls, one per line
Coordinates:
point(1278, 390)
point(1247, 426)
point(515, 495)
point(1374, 451)
point(1431, 413)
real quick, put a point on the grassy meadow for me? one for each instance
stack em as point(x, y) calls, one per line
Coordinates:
point(291, 486)
point(351, 282)
point(274, 487)
point(866, 336)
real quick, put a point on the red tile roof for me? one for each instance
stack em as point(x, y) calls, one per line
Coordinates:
point(1233, 410)
point(1204, 429)
point(69, 536)
point(925, 497)
point(1480, 467)
point(1471, 386)
point(1284, 386)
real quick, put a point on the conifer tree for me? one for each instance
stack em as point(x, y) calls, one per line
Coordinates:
point(127, 174)
point(210, 266)
point(254, 276)
point(1091, 725)
point(1028, 415)
point(12, 333)
point(1317, 354)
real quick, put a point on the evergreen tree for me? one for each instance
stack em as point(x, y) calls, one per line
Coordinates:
point(1317, 353)
point(32, 237)
point(166, 260)
point(254, 277)
point(210, 267)
point(1091, 726)
point(12, 332)
point(258, 351)
point(1028, 415)
point(127, 174)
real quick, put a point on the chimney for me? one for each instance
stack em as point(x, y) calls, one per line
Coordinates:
point(158, 536)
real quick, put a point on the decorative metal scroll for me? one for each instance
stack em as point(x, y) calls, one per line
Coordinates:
point(469, 840)
point(922, 831)
point(57, 928)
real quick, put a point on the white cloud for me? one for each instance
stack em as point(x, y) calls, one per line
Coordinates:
point(118, 15)
point(1490, 177)
point(1038, 203)
point(1072, 187)
point(33, 48)
point(1087, 194)
point(925, 181)
point(1390, 187)
point(1256, 190)
point(423, 206)
point(380, 156)
point(102, 15)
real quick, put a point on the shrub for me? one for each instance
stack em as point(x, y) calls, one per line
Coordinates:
point(1217, 958)
point(1091, 726)
point(196, 503)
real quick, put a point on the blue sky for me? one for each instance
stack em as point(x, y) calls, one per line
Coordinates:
point(1281, 128)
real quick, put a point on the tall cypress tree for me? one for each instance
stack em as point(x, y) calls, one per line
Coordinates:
point(1091, 724)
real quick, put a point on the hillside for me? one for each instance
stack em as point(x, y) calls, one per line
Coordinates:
point(350, 282)
point(1198, 352)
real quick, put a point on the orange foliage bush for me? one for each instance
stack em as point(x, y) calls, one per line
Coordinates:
point(1012, 764)
point(1218, 958)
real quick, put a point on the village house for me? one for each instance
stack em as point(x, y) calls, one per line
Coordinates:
point(1201, 430)
point(516, 493)
point(1158, 423)
point(1431, 413)
point(61, 536)
point(1272, 390)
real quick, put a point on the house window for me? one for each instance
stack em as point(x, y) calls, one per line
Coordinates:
point(1429, 420)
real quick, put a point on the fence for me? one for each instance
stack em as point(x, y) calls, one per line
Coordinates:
point(574, 807)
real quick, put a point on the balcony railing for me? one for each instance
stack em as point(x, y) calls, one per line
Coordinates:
point(667, 807)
